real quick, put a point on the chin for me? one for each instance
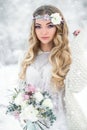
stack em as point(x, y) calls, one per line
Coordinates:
point(45, 42)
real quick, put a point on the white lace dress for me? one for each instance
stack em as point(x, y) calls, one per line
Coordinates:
point(39, 74)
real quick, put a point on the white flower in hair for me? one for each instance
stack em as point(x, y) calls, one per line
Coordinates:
point(56, 18)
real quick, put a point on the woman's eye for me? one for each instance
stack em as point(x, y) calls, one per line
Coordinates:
point(50, 26)
point(37, 27)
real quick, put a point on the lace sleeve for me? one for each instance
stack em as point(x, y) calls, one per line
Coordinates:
point(76, 79)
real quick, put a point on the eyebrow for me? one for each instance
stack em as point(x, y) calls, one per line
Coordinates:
point(46, 24)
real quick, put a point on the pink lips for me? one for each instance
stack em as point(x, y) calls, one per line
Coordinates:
point(44, 38)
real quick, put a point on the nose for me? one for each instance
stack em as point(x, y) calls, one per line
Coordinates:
point(44, 31)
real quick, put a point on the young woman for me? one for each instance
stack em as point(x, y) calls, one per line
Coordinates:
point(47, 66)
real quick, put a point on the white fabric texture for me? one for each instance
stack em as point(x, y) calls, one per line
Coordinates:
point(67, 109)
point(38, 74)
point(75, 82)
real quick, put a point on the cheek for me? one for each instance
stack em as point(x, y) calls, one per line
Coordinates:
point(53, 32)
point(37, 32)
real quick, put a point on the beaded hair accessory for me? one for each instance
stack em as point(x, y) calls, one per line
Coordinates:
point(55, 18)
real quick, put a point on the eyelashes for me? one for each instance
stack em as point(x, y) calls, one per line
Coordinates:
point(37, 27)
point(48, 26)
point(51, 26)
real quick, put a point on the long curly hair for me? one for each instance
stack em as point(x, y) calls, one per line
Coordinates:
point(60, 56)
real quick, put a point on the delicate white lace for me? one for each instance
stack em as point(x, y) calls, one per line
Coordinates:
point(39, 74)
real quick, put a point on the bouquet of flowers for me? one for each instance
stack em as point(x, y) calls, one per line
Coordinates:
point(32, 107)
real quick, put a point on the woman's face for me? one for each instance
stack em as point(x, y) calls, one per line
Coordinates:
point(45, 31)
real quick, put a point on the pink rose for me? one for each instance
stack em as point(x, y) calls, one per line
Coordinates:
point(16, 114)
point(30, 89)
point(25, 97)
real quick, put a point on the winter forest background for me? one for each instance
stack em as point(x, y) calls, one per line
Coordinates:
point(15, 21)
point(16, 17)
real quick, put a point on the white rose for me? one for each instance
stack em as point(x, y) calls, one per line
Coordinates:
point(19, 99)
point(38, 96)
point(56, 18)
point(29, 113)
point(24, 104)
point(47, 103)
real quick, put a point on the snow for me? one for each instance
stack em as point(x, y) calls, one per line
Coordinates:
point(14, 29)
point(8, 80)
point(16, 18)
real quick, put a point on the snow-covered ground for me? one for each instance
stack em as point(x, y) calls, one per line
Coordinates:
point(8, 80)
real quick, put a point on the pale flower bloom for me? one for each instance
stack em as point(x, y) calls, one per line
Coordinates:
point(47, 103)
point(16, 114)
point(56, 18)
point(29, 113)
point(30, 88)
point(25, 97)
point(38, 96)
point(24, 104)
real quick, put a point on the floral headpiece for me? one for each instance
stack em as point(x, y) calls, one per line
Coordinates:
point(55, 18)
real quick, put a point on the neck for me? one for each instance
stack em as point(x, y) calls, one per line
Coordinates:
point(46, 47)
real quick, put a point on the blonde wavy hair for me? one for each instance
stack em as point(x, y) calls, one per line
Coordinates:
point(60, 56)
